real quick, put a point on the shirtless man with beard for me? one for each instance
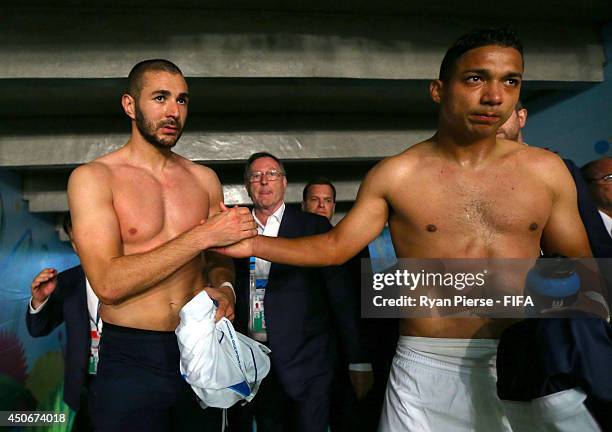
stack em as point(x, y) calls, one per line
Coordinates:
point(463, 193)
point(142, 218)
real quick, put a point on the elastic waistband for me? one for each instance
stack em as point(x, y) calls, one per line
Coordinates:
point(136, 333)
point(449, 353)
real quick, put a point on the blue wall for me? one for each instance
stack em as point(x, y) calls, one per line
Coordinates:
point(31, 370)
point(576, 125)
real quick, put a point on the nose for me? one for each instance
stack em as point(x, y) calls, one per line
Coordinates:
point(172, 109)
point(264, 178)
point(493, 94)
point(321, 204)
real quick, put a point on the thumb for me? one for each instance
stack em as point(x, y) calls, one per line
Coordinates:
point(223, 206)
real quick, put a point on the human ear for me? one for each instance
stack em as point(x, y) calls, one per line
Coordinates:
point(129, 105)
point(436, 90)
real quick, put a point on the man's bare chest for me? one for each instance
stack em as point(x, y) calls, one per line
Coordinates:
point(476, 207)
point(155, 210)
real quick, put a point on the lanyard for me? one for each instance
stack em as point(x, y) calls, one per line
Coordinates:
point(95, 322)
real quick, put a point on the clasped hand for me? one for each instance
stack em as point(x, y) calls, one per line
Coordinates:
point(230, 226)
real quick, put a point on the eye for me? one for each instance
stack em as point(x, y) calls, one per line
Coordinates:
point(473, 79)
point(182, 101)
point(255, 177)
point(159, 98)
point(513, 82)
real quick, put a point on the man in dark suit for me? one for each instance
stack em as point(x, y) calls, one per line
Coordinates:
point(59, 298)
point(303, 309)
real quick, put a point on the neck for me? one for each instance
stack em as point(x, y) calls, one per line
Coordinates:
point(146, 154)
point(264, 213)
point(463, 149)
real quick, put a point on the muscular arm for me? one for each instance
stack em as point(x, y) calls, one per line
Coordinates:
point(219, 268)
point(363, 223)
point(113, 275)
point(564, 232)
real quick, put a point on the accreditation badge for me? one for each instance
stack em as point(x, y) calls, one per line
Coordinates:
point(258, 323)
point(94, 352)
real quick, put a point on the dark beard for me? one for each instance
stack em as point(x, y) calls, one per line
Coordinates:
point(147, 130)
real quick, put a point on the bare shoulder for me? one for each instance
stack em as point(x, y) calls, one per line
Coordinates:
point(205, 174)
point(541, 161)
point(547, 167)
point(92, 174)
point(392, 172)
point(396, 167)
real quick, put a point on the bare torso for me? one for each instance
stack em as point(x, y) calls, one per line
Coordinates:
point(153, 208)
point(448, 211)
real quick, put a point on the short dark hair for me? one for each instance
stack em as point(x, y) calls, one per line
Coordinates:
point(67, 224)
point(504, 37)
point(259, 155)
point(153, 65)
point(318, 181)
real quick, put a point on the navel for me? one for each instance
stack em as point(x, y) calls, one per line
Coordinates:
point(533, 226)
point(431, 228)
point(132, 231)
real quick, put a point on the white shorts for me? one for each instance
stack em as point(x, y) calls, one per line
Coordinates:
point(560, 412)
point(443, 385)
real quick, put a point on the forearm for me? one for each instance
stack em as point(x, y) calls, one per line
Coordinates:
point(44, 320)
point(313, 251)
point(129, 275)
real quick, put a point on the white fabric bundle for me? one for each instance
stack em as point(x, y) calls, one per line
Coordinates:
point(221, 365)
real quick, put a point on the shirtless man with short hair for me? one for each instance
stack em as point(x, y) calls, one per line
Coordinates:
point(461, 194)
point(142, 217)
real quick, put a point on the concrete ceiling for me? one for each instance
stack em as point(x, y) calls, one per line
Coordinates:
point(329, 86)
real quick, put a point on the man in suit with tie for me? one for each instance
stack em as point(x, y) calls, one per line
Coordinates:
point(303, 309)
point(67, 298)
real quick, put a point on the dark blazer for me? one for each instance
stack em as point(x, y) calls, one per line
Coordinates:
point(539, 357)
point(599, 239)
point(68, 303)
point(601, 243)
point(304, 308)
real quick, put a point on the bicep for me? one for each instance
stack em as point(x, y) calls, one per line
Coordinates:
point(564, 232)
point(95, 224)
point(365, 220)
point(215, 194)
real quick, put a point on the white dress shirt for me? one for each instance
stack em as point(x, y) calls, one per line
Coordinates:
point(269, 229)
point(607, 220)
